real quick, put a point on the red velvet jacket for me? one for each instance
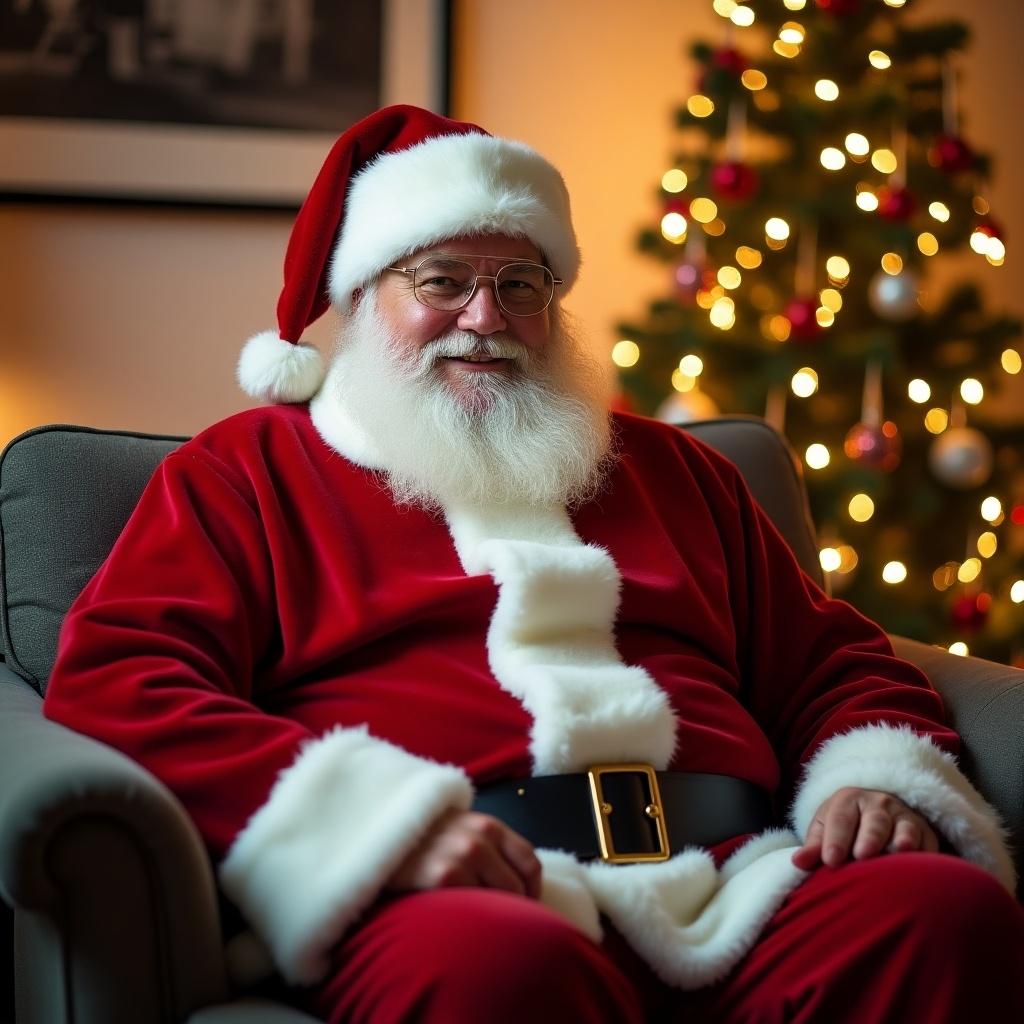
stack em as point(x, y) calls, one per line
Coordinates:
point(267, 589)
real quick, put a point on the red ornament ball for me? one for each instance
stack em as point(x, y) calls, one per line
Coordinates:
point(676, 204)
point(803, 320)
point(734, 180)
point(839, 7)
point(951, 154)
point(991, 228)
point(728, 58)
point(896, 204)
point(877, 447)
point(970, 612)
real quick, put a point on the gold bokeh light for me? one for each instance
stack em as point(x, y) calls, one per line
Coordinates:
point(884, 161)
point(626, 353)
point(861, 508)
point(673, 227)
point(919, 391)
point(894, 572)
point(674, 180)
point(703, 210)
point(700, 106)
point(1010, 360)
point(857, 144)
point(831, 299)
point(969, 571)
point(804, 382)
point(748, 258)
point(817, 456)
point(729, 277)
point(892, 263)
point(936, 420)
point(827, 90)
point(691, 365)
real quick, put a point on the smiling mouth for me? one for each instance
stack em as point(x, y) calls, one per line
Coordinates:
point(478, 359)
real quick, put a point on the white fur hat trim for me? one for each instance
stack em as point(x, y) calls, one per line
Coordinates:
point(446, 187)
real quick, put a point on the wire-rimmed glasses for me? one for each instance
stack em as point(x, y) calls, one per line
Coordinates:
point(447, 282)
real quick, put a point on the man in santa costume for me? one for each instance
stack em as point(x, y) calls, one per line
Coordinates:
point(493, 707)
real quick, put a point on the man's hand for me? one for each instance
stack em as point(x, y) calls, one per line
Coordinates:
point(464, 848)
point(865, 822)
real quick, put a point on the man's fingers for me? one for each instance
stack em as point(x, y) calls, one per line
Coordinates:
point(874, 832)
point(841, 823)
point(808, 856)
point(479, 848)
point(520, 854)
point(865, 823)
point(907, 835)
point(914, 833)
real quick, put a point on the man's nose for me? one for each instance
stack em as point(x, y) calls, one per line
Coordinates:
point(482, 314)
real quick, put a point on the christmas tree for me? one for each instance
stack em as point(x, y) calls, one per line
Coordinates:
point(820, 169)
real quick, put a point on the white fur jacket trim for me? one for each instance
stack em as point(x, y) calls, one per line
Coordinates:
point(911, 767)
point(337, 824)
point(551, 641)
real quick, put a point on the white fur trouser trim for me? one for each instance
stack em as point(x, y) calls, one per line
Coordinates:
point(335, 827)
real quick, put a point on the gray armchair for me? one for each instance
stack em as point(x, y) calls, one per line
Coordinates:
point(115, 913)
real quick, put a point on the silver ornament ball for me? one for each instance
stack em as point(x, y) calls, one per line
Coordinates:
point(894, 296)
point(961, 458)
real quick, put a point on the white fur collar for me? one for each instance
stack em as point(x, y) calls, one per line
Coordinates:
point(339, 430)
point(551, 641)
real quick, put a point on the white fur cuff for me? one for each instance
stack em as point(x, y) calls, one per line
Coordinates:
point(337, 824)
point(909, 766)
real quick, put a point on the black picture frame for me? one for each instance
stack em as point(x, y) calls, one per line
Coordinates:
point(169, 162)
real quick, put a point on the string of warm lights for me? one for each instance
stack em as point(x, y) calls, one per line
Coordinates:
point(739, 286)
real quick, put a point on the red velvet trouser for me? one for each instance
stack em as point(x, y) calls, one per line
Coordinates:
point(916, 938)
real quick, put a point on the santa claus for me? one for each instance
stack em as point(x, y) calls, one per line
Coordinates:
point(490, 705)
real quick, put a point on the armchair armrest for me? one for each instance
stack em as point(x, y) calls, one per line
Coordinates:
point(107, 876)
point(985, 702)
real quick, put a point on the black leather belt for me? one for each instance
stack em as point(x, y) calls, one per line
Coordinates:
point(627, 813)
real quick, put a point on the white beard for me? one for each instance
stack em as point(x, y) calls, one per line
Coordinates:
point(536, 432)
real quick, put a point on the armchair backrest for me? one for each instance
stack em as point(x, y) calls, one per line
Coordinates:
point(771, 471)
point(66, 493)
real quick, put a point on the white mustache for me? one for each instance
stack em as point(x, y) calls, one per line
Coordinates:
point(458, 345)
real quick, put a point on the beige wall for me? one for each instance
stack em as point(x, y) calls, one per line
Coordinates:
point(132, 317)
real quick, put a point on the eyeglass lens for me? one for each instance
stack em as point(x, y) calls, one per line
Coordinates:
point(522, 289)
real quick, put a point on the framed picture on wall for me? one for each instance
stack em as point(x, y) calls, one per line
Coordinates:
point(234, 102)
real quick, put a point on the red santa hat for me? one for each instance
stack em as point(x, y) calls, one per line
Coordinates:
point(399, 180)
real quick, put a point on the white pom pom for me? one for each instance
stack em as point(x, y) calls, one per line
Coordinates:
point(278, 371)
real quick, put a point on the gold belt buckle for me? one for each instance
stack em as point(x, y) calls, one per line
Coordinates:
point(603, 811)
